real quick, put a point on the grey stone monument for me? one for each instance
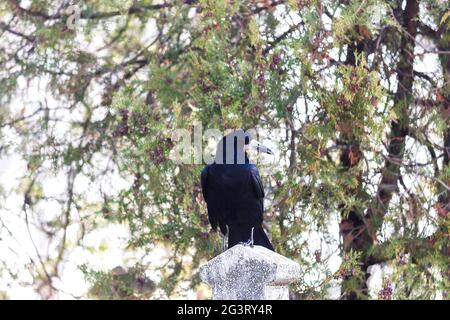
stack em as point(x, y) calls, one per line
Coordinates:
point(250, 273)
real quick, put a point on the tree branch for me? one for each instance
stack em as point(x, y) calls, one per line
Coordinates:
point(88, 14)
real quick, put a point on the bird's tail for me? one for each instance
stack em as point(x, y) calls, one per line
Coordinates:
point(260, 238)
point(240, 234)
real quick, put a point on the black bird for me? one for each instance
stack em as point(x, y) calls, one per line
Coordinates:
point(233, 191)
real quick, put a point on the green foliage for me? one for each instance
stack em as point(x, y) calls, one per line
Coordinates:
point(320, 77)
point(119, 283)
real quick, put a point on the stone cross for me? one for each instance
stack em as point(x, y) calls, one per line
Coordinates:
point(250, 273)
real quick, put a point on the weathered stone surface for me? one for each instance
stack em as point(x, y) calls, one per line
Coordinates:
point(246, 273)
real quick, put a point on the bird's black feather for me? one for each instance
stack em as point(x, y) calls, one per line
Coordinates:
point(258, 188)
point(203, 182)
point(212, 214)
point(234, 195)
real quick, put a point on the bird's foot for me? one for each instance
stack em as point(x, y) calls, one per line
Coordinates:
point(224, 242)
point(249, 243)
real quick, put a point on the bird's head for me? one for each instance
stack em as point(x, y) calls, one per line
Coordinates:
point(231, 149)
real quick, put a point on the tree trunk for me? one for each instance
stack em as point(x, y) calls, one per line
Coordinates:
point(359, 231)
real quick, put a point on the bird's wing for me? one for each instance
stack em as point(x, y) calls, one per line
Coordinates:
point(256, 183)
point(204, 179)
point(212, 216)
point(258, 190)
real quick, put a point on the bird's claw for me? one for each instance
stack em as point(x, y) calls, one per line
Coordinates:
point(249, 243)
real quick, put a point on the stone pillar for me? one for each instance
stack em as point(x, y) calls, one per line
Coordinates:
point(246, 273)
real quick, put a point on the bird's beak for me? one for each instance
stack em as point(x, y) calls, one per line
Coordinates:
point(260, 147)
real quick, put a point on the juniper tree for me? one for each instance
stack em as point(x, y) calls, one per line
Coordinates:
point(354, 94)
